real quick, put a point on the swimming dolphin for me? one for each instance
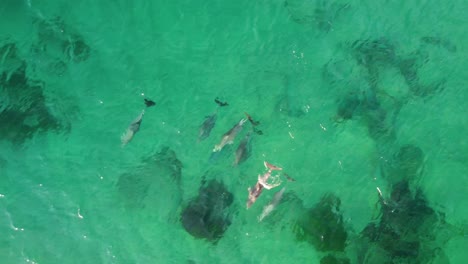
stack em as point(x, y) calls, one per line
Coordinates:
point(271, 206)
point(132, 129)
point(255, 192)
point(210, 121)
point(207, 126)
point(135, 125)
point(243, 151)
point(228, 137)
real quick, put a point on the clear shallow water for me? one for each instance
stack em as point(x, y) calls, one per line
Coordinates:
point(288, 64)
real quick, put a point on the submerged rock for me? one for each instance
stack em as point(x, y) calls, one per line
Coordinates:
point(372, 53)
point(3, 162)
point(330, 259)
point(375, 55)
point(322, 225)
point(154, 185)
point(410, 161)
point(439, 42)
point(59, 40)
point(166, 158)
point(407, 164)
point(207, 216)
point(321, 14)
point(347, 106)
point(23, 108)
point(406, 230)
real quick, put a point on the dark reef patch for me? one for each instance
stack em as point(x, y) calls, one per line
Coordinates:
point(162, 171)
point(322, 225)
point(23, 106)
point(207, 216)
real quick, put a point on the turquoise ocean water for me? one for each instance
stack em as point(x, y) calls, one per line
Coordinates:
point(352, 97)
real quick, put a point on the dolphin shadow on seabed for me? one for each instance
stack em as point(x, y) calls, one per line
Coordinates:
point(207, 215)
point(154, 185)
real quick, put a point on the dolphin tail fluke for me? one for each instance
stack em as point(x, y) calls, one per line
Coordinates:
point(271, 166)
point(243, 120)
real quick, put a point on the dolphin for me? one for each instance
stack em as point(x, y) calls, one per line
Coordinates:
point(207, 126)
point(243, 151)
point(228, 137)
point(210, 121)
point(262, 183)
point(132, 129)
point(135, 125)
point(271, 206)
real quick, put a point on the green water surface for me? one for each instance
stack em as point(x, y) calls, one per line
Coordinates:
point(288, 63)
